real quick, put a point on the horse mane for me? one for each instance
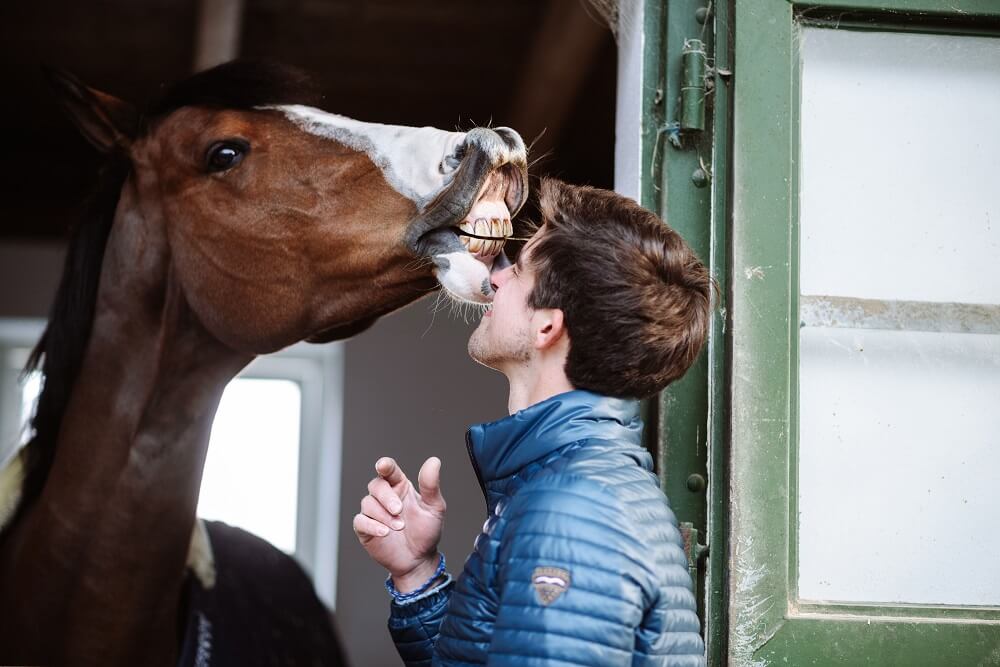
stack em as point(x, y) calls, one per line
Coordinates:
point(59, 353)
point(240, 84)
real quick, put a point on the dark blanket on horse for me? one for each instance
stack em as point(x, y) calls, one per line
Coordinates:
point(262, 611)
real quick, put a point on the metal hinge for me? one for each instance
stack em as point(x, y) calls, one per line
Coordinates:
point(694, 75)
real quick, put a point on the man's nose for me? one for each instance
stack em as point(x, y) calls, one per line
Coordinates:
point(498, 273)
point(498, 278)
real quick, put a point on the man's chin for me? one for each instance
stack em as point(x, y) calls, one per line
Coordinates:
point(480, 352)
point(475, 351)
point(501, 354)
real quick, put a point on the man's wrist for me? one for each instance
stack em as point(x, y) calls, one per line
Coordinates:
point(418, 576)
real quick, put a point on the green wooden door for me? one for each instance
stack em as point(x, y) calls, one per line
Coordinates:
point(865, 299)
point(836, 446)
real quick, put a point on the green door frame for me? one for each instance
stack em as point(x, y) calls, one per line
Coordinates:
point(686, 183)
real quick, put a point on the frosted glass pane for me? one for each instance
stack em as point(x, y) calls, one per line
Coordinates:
point(899, 466)
point(900, 166)
point(251, 474)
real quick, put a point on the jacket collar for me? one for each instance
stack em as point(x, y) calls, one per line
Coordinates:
point(500, 449)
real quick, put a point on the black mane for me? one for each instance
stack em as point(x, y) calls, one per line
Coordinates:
point(60, 351)
point(240, 84)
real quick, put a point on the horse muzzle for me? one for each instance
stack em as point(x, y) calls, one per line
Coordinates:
point(463, 230)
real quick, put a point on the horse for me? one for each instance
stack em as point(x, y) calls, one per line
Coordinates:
point(233, 217)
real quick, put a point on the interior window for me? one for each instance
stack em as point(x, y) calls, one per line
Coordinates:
point(251, 473)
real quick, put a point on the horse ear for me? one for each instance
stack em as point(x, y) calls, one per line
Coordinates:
point(108, 123)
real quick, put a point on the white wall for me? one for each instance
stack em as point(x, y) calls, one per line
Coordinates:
point(628, 115)
point(29, 276)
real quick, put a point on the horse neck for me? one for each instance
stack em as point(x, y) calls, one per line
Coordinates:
point(102, 551)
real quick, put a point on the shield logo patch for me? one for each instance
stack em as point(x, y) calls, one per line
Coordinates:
point(549, 583)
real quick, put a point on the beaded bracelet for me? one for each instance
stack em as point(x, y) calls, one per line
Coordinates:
point(405, 597)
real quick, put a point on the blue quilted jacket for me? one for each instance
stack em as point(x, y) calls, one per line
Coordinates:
point(580, 561)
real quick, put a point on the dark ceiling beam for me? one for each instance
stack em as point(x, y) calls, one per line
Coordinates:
point(565, 47)
point(220, 23)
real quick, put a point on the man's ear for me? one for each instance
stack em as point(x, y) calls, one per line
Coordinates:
point(550, 328)
point(108, 123)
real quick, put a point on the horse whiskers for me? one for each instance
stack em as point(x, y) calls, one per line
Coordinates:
point(539, 158)
point(437, 301)
point(467, 312)
point(434, 310)
point(418, 263)
point(440, 300)
point(463, 310)
point(531, 144)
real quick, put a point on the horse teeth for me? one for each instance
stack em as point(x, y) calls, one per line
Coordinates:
point(482, 227)
point(494, 230)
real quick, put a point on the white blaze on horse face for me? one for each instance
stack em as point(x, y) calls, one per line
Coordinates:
point(414, 160)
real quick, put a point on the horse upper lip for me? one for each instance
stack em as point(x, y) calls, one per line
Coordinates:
point(489, 153)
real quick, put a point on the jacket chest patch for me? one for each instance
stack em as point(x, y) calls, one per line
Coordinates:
point(550, 583)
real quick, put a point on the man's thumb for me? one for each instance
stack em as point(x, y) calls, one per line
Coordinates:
point(429, 479)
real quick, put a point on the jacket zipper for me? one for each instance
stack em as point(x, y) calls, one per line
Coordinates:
point(475, 467)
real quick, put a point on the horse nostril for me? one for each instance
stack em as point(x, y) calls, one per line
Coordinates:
point(452, 161)
point(514, 143)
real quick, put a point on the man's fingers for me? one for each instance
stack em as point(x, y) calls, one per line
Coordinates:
point(429, 479)
point(367, 528)
point(389, 470)
point(373, 509)
point(380, 490)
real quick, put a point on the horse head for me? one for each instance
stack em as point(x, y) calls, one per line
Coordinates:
point(280, 221)
point(234, 218)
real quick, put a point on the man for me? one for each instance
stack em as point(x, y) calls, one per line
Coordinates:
point(580, 561)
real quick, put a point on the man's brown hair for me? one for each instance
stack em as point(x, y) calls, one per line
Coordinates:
point(635, 298)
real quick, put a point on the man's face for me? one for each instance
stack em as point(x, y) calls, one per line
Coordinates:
point(504, 337)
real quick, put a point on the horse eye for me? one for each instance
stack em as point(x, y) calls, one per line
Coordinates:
point(225, 155)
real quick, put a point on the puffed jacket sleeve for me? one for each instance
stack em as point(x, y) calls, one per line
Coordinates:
point(575, 583)
point(414, 626)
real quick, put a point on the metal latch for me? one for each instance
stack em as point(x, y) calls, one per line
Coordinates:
point(693, 549)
